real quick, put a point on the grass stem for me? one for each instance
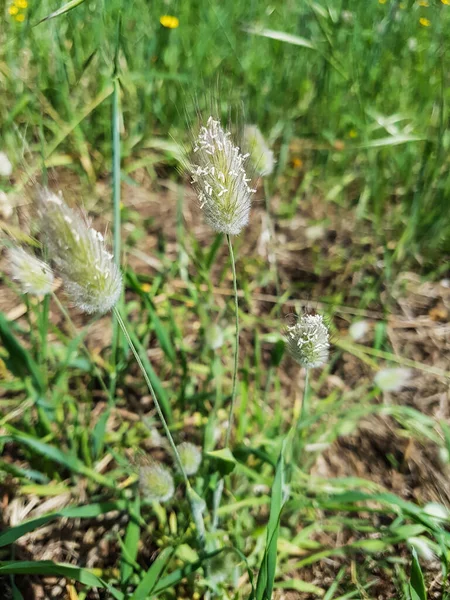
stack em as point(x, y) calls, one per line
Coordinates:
point(195, 502)
point(116, 154)
point(176, 454)
point(236, 346)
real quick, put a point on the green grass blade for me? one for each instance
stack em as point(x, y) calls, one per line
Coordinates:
point(179, 574)
point(393, 140)
point(116, 190)
point(49, 568)
point(20, 362)
point(71, 462)
point(151, 578)
point(131, 542)
point(300, 586)
point(61, 11)
point(417, 582)
point(296, 40)
point(154, 379)
point(89, 511)
point(267, 571)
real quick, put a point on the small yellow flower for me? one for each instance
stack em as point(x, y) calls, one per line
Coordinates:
point(21, 3)
point(169, 21)
point(424, 22)
point(382, 1)
point(146, 287)
point(353, 133)
point(424, 3)
point(20, 18)
point(446, 2)
point(13, 10)
point(297, 163)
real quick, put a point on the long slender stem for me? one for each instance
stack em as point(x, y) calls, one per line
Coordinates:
point(298, 440)
point(220, 485)
point(236, 345)
point(116, 155)
point(153, 394)
point(195, 502)
point(272, 254)
point(304, 407)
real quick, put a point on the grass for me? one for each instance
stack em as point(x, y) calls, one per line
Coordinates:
point(353, 98)
point(345, 114)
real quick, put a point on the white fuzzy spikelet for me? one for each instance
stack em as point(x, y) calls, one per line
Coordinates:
point(5, 165)
point(260, 153)
point(156, 482)
point(191, 457)
point(218, 171)
point(33, 275)
point(308, 341)
point(91, 279)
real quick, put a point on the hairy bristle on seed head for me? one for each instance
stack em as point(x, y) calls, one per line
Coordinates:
point(218, 172)
point(91, 278)
point(156, 482)
point(33, 275)
point(308, 341)
point(190, 456)
point(260, 153)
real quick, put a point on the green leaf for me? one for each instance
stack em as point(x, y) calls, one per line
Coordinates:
point(161, 393)
point(417, 582)
point(64, 9)
point(19, 362)
point(300, 586)
point(54, 454)
point(179, 574)
point(296, 40)
point(161, 332)
point(211, 256)
point(72, 512)
point(277, 353)
point(49, 568)
point(224, 461)
point(131, 542)
point(266, 576)
point(152, 576)
point(393, 140)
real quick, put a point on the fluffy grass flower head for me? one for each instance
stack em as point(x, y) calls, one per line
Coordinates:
point(91, 279)
point(33, 275)
point(218, 171)
point(308, 341)
point(156, 482)
point(260, 153)
point(5, 165)
point(191, 457)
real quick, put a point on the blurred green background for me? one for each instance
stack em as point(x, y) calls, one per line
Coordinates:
point(358, 89)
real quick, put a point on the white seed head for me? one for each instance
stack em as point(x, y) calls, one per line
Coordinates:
point(221, 566)
point(437, 512)
point(34, 276)
point(392, 380)
point(218, 171)
point(308, 341)
point(6, 206)
point(5, 165)
point(91, 278)
point(260, 153)
point(423, 547)
point(191, 457)
point(358, 329)
point(156, 482)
